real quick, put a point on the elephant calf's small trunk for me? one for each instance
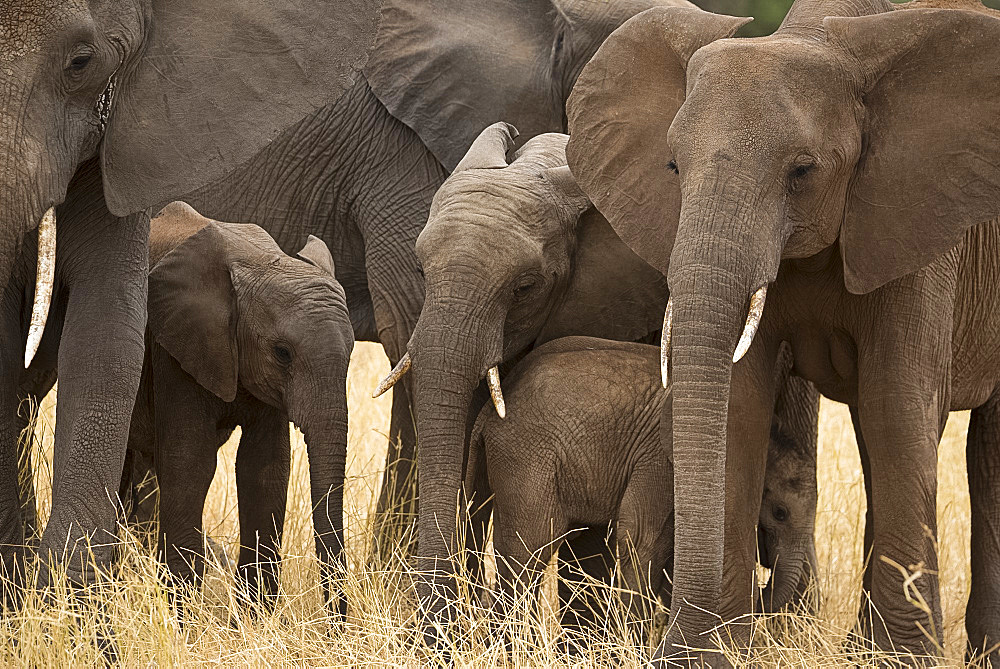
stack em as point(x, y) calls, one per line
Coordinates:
point(44, 280)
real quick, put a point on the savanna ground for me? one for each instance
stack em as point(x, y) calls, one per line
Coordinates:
point(380, 631)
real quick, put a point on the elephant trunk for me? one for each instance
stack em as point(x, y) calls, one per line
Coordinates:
point(715, 281)
point(324, 426)
point(454, 346)
point(792, 573)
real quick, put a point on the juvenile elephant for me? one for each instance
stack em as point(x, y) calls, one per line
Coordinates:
point(826, 169)
point(582, 447)
point(241, 334)
point(108, 108)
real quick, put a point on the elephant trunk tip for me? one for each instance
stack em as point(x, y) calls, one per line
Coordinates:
point(44, 280)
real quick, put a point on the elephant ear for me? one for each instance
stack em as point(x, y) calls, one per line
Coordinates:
point(930, 163)
point(619, 112)
point(317, 254)
point(449, 68)
point(191, 310)
point(216, 81)
point(612, 292)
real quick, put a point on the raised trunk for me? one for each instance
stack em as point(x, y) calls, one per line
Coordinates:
point(452, 348)
point(325, 430)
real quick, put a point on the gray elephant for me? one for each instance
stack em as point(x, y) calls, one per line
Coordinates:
point(242, 335)
point(515, 255)
point(831, 175)
point(582, 447)
point(109, 107)
point(360, 175)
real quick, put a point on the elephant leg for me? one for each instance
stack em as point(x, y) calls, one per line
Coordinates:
point(187, 441)
point(982, 452)
point(524, 541)
point(480, 503)
point(901, 431)
point(585, 562)
point(397, 500)
point(262, 467)
point(864, 624)
point(645, 542)
point(12, 520)
point(104, 263)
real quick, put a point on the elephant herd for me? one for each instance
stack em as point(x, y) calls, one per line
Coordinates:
point(517, 199)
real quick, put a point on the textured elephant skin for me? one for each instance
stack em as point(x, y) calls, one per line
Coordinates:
point(107, 108)
point(819, 161)
point(582, 448)
point(241, 334)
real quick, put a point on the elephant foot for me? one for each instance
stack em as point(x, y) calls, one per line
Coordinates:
point(983, 626)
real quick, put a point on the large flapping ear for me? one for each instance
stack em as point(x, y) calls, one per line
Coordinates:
point(317, 254)
point(587, 23)
point(612, 293)
point(930, 163)
point(216, 81)
point(619, 112)
point(449, 68)
point(191, 307)
point(490, 149)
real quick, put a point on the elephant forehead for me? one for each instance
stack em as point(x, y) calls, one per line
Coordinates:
point(25, 23)
point(502, 193)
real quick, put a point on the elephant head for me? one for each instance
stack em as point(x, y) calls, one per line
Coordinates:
point(236, 312)
point(171, 94)
point(835, 135)
point(513, 254)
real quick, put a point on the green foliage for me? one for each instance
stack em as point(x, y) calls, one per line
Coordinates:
point(767, 13)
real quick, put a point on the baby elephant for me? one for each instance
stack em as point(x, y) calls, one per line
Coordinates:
point(240, 334)
point(581, 446)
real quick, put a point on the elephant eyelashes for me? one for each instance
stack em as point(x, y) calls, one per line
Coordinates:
point(780, 514)
point(79, 62)
point(282, 354)
point(523, 290)
point(799, 172)
point(672, 166)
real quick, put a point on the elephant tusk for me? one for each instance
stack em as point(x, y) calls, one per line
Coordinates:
point(753, 322)
point(668, 323)
point(44, 278)
point(493, 380)
point(398, 372)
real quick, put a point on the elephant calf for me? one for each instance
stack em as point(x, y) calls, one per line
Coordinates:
point(581, 446)
point(240, 334)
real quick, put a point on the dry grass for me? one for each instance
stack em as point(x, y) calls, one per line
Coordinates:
point(381, 630)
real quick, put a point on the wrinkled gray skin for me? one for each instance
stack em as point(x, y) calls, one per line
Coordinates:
point(241, 334)
point(360, 175)
point(514, 255)
point(838, 172)
point(174, 123)
point(582, 447)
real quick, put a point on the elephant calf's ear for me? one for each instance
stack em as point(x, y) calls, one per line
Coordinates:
point(317, 253)
point(191, 304)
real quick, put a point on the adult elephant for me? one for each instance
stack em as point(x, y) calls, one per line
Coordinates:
point(829, 166)
point(360, 175)
point(108, 107)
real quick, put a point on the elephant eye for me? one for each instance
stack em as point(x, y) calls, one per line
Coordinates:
point(282, 354)
point(80, 61)
point(523, 289)
point(799, 171)
point(672, 166)
point(780, 513)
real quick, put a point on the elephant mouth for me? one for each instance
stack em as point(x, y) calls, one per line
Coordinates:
point(44, 281)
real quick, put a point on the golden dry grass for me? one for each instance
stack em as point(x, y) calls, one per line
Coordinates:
point(381, 630)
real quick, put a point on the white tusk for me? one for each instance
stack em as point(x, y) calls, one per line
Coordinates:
point(668, 322)
point(753, 322)
point(398, 372)
point(44, 278)
point(493, 381)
